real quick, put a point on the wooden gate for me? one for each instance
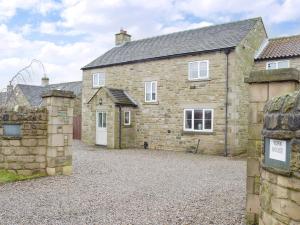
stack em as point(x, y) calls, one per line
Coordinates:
point(77, 127)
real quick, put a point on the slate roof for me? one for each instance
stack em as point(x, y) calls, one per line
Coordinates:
point(118, 96)
point(282, 47)
point(210, 38)
point(33, 93)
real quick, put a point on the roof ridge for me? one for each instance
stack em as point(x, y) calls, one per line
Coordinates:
point(199, 28)
point(66, 82)
point(33, 85)
point(285, 37)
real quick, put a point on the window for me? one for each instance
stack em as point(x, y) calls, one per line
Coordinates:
point(98, 80)
point(102, 119)
point(198, 120)
point(151, 91)
point(278, 65)
point(127, 119)
point(199, 70)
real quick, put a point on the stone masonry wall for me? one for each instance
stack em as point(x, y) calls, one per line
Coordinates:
point(27, 154)
point(60, 106)
point(238, 92)
point(46, 134)
point(280, 190)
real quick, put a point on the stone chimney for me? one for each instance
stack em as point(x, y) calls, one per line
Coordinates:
point(45, 81)
point(122, 37)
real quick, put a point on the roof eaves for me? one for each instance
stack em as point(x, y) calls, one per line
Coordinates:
point(276, 57)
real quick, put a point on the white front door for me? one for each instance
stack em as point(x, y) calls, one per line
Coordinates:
point(101, 128)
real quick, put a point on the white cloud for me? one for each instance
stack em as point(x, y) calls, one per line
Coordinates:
point(8, 8)
point(184, 26)
point(97, 21)
point(48, 28)
point(62, 62)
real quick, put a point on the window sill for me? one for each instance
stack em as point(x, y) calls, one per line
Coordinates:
point(127, 126)
point(199, 80)
point(151, 103)
point(184, 132)
point(97, 87)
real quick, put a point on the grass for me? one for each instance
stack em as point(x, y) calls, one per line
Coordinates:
point(8, 176)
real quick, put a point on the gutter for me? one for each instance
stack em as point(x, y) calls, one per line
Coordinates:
point(120, 127)
point(227, 51)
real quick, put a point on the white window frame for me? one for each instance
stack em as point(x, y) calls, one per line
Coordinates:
point(276, 63)
point(129, 117)
point(198, 78)
point(203, 115)
point(151, 92)
point(97, 85)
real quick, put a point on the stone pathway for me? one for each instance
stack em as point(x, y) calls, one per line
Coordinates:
point(131, 187)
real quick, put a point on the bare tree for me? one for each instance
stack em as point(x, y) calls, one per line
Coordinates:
point(24, 76)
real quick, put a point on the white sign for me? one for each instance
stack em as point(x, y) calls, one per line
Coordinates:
point(278, 150)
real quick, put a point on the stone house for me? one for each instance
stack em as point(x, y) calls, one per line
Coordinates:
point(179, 91)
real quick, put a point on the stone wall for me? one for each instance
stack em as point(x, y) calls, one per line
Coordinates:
point(161, 123)
point(280, 189)
point(26, 154)
point(43, 145)
point(263, 86)
point(241, 66)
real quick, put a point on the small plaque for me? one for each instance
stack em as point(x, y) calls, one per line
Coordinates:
point(277, 153)
point(278, 150)
point(12, 130)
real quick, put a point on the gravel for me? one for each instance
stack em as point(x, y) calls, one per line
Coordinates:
point(131, 187)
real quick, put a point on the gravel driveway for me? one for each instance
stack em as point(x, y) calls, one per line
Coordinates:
point(131, 187)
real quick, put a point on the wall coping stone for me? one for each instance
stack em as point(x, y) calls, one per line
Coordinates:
point(265, 76)
point(58, 93)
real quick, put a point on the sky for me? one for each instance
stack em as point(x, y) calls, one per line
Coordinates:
point(65, 35)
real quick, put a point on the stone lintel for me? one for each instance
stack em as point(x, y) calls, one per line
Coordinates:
point(278, 75)
point(58, 93)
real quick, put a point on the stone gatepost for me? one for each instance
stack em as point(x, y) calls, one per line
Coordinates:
point(60, 131)
point(280, 162)
point(263, 86)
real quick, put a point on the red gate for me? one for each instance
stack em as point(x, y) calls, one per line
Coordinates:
point(77, 127)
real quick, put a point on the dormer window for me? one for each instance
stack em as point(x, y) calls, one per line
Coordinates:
point(273, 65)
point(199, 70)
point(98, 80)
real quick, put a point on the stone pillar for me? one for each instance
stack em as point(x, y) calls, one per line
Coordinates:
point(263, 85)
point(60, 131)
point(280, 170)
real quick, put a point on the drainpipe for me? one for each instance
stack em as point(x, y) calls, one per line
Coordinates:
point(120, 127)
point(227, 51)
